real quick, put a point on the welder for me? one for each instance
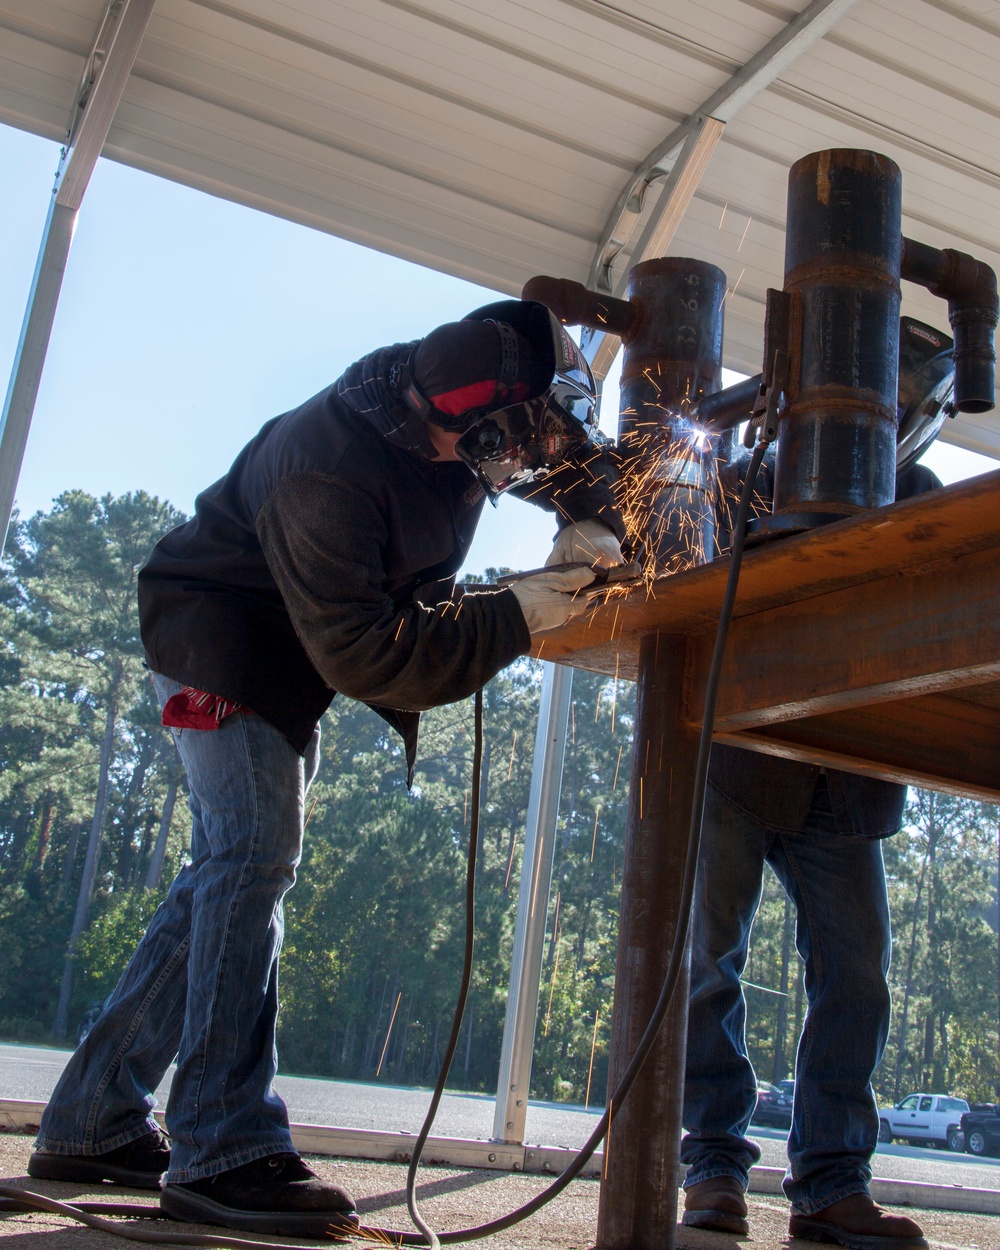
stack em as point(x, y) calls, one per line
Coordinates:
point(322, 562)
point(819, 830)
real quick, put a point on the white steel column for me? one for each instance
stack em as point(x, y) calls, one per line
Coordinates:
point(532, 905)
point(682, 159)
point(105, 75)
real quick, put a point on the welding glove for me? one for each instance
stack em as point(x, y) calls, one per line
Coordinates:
point(591, 541)
point(551, 599)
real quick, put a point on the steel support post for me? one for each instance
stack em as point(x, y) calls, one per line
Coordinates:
point(29, 359)
point(105, 75)
point(532, 905)
point(638, 1203)
point(672, 360)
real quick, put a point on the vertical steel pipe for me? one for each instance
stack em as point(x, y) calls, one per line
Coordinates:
point(836, 452)
point(638, 1203)
point(673, 357)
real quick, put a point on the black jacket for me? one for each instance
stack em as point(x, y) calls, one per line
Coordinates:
point(306, 569)
point(778, 793)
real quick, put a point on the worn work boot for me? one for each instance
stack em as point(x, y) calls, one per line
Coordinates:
point(277, 1194)
point(718, 1203)
point(857, 1222)
point(140, 1164)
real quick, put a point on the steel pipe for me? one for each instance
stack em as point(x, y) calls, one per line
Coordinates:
point(673, 358)
point(970, 287)
point(836, 453)
point(638, 1203)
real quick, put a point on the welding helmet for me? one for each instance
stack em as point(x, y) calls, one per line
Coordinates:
point(513, 384)
point(522, 442)
point(926, 382)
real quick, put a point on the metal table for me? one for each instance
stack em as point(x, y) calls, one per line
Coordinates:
point(872, 645)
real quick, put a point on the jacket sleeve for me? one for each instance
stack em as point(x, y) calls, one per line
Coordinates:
point(323, 540)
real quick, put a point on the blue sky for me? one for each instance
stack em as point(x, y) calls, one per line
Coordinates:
point(186, 321)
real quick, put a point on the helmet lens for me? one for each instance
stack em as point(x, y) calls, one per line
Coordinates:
point(519, 444)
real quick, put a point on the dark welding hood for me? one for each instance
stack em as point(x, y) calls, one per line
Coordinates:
point(926, 384)
point(523, 442)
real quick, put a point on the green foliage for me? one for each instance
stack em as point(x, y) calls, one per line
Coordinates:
point(375, 923)
point(86, 762)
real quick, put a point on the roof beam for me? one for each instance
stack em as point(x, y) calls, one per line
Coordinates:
point(683, 157)
point(104, 77)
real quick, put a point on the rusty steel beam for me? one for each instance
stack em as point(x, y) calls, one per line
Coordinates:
point(638, 1203)
point(931, 631)
point(940, 742)
point(891, 543)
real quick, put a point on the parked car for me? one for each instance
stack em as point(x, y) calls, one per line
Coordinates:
point(922, 1119)
point(787, 1087)
point(981, 1126)
point(774, 1106)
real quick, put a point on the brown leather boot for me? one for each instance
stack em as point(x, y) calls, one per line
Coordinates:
point(857, 1222)
point(718, 1203)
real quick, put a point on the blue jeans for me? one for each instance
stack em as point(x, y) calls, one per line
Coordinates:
point(203, 982)
point(837, 884)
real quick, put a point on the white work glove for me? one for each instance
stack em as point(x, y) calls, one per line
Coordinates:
point(550, 599)
point(591, 541)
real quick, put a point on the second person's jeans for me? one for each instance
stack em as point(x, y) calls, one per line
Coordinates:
point(837, 884)
point(203, 982)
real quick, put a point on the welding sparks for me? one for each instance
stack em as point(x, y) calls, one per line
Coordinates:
point(674, 491)
point(388, 1033)
point(745, 229)
point(510, 862)
point(593, 1047)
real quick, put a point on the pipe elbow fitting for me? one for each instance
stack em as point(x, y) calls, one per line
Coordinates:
point(970, 287)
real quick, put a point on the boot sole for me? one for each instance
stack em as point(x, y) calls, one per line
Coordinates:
point(720, 1221)
point(80, 1170)
point(808, 1229)
point(191, 1208)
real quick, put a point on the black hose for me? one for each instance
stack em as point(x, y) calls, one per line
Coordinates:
point(17, 1199)
point(429, 1237)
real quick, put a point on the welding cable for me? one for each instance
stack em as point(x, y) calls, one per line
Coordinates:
point(689, 877)
point(19, 1200)
point(429, 1237)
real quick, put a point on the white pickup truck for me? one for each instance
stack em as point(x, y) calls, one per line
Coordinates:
point(921, 1118)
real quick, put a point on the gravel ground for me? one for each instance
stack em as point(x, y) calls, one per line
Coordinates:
point(450, 1198)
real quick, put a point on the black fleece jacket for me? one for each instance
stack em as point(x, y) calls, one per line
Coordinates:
point(324, 561)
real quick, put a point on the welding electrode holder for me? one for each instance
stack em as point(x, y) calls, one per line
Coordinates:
point(604, 574)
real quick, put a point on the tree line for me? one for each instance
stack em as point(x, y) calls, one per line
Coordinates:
point(94, 824)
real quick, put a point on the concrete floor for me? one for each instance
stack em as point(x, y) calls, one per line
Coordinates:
point(450, 1199)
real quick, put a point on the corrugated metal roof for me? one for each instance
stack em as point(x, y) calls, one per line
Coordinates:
point(491, 138)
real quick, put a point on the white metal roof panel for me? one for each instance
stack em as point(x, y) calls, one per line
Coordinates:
point(491, 138)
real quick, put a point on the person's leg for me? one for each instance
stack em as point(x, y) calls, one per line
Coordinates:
point(222, 1111)
point(104, 1098)
point(246, 837)
point(720, 1089)
point(842, 935)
